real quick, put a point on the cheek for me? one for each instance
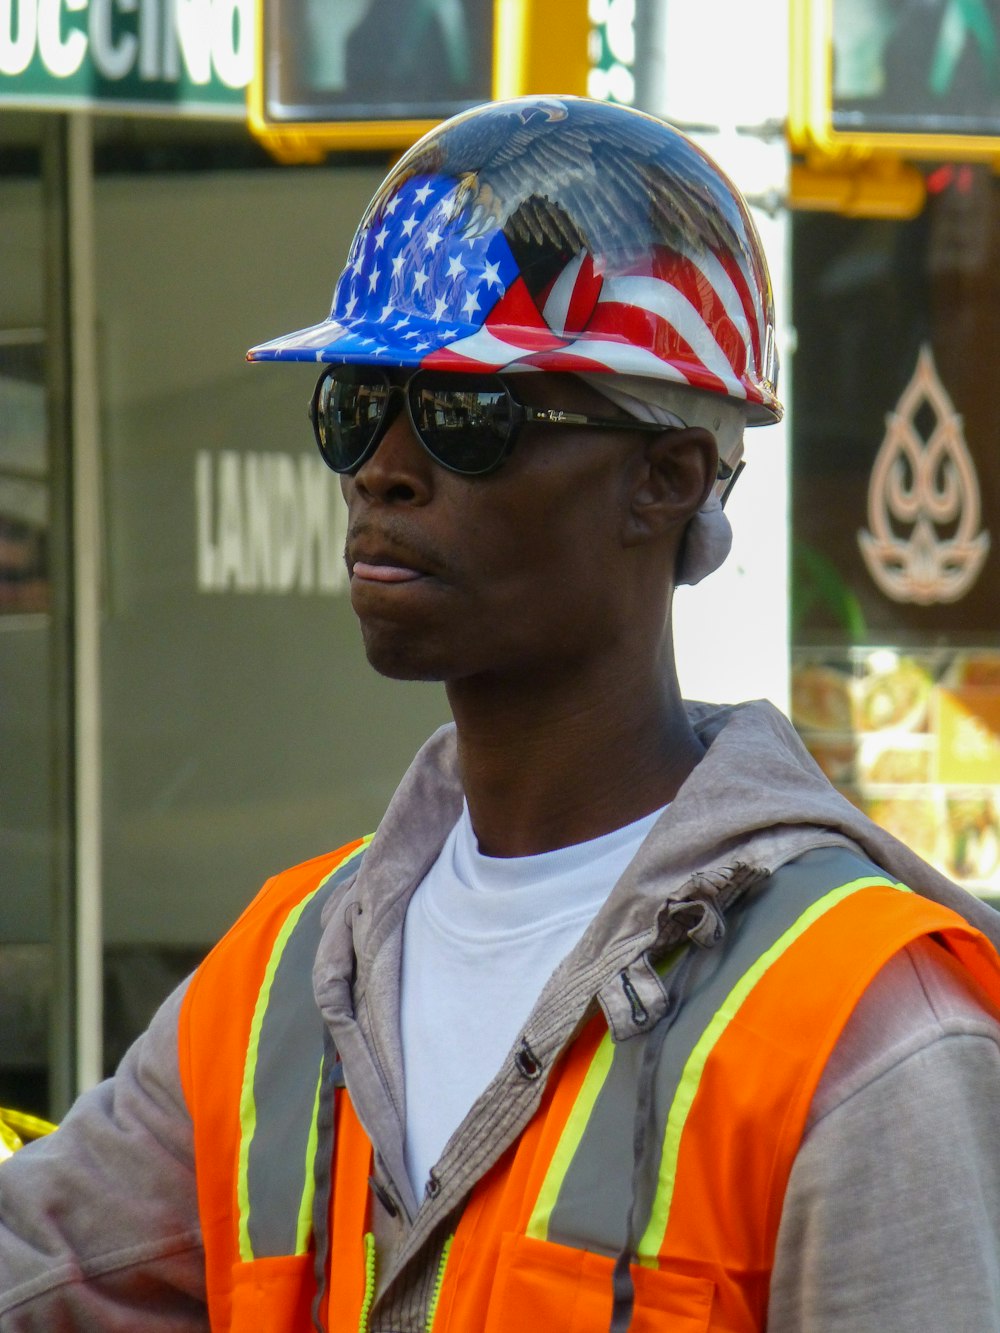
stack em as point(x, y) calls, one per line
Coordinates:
point(549, 553)
point(550, 528)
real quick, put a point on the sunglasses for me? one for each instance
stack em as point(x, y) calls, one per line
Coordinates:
point(467, 423)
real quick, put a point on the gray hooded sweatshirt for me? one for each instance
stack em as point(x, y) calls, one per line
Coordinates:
point(891, 1221)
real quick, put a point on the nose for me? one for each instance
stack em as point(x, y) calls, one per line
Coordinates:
point(399, 470)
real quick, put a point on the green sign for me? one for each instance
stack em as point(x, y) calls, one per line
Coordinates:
point(192, 57)
point(612, 51)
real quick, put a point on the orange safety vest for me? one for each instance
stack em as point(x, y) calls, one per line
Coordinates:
point(535, 1245)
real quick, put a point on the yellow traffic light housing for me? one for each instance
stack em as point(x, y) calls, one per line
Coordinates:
point(877, 87)
point(377, 74)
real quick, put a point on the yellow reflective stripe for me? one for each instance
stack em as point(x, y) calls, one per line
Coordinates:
point(248, 1106)
point(653, 1237)
point(569, 1140)
point(303, 1226)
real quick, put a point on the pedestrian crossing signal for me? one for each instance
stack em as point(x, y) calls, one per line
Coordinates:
point(887, 77)
point(377, 74)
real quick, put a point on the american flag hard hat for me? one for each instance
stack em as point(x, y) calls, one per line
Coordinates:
point(556, 233)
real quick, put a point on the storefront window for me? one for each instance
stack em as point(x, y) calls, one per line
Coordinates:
point(28, 709)
point(24, 490)
point(242, 728)
point(896, 517)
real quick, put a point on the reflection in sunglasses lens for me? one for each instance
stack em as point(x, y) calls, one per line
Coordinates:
point(464, 426)
point(352, 415)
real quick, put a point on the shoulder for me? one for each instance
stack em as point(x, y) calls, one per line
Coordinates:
point(891, 1221)
point(231, 976)
point(288, 890)
point(920, 998)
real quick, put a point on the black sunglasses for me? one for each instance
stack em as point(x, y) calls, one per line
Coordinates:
point(467, 423)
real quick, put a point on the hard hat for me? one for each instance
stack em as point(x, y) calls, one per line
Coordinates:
point(559, 234)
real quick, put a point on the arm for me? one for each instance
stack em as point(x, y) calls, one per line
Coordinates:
point(99, 1222)
point(891, 1222)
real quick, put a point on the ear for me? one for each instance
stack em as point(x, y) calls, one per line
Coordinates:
point(677, 473)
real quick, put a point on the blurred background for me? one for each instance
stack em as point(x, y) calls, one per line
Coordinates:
point(184, 704)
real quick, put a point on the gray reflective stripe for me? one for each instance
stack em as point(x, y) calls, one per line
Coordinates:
point(279, 1168)
point(591, 1208)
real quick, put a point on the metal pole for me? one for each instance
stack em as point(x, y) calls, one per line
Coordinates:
point(87, 543)
point(719, 70)
point(62, 1002)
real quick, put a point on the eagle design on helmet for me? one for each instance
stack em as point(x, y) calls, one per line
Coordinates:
point(556, 233)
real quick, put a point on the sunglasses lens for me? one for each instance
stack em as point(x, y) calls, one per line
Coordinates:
point(465, 423)
point(348, 409)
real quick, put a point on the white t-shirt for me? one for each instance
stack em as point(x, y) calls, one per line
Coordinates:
point(482, 936)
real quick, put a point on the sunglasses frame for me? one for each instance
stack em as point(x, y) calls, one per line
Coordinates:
point(521, 414)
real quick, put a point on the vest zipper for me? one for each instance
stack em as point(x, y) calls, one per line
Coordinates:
point(369, 1296)
point(438, 1284)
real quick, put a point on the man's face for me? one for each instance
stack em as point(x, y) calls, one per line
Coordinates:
point(521, 571)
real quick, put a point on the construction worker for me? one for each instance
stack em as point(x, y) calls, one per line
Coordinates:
point(623, 1018)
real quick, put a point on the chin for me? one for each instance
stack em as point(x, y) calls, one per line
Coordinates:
point(396, 670)
point(400, 660)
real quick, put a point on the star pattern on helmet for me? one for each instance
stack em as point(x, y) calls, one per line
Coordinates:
point(406, 264)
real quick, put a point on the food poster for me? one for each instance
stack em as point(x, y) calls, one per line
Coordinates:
point(912, 739)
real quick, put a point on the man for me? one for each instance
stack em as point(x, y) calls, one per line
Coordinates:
point(623, 1019)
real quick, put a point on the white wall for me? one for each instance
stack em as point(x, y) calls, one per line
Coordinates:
point(718, 67)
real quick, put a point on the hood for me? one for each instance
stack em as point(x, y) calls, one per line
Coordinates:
point(755, 801)
point(781, 794)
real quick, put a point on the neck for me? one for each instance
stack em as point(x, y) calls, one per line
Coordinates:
point(545, 765)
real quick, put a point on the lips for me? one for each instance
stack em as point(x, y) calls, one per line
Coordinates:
point(375, 558)
point(378, 573)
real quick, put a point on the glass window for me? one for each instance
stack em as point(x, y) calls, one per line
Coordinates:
point(243, 730)
point(896, 516)
point(29, 711)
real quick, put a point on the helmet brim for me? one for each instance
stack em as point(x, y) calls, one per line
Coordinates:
point(359, 342)
point(472, 349)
